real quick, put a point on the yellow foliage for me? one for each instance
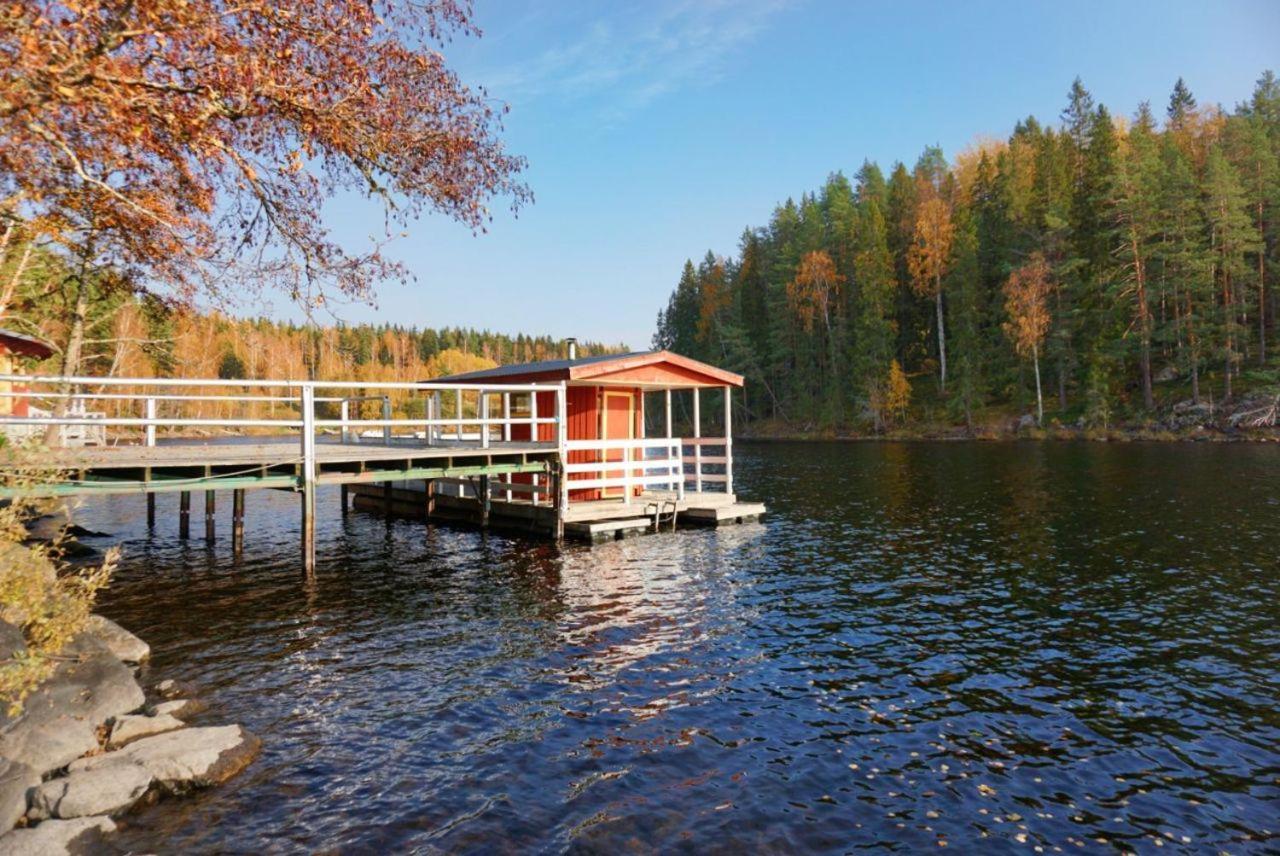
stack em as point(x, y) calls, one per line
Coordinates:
point(39, 594)
point(930, 252)
point(452, 361)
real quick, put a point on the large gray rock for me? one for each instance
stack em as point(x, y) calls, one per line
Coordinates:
point(117, 640)
point(84, 835)
point(15, 780)
point(127, 729)
point(184, 759)
point(110, 790)
point(183, 708)
point(57, 722)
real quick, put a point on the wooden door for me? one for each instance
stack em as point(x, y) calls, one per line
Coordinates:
point(617, 422)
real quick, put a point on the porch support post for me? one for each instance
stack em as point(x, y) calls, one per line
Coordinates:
point(697, 444)
point(562, 440)
point(184, 515)
point(728, 440)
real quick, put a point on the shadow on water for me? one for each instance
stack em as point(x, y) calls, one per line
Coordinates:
point(992, 646)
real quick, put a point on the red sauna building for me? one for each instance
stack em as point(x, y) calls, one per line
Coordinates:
point(610, 400)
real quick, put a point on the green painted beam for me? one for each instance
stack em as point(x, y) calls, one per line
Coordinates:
point(108, 486)
point(416, 473)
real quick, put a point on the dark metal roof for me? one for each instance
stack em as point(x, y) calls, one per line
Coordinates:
point(20, 343)
point(521, 369)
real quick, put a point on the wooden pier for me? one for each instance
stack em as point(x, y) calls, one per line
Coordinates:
point(486, 453)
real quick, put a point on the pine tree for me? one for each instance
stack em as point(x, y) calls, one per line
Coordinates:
point(1231, 237)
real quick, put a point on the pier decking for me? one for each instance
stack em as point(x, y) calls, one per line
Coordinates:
point(503, 456)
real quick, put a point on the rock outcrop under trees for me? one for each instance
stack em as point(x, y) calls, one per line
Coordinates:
point(86, 747)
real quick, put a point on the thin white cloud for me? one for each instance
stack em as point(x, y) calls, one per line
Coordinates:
point(636, 55)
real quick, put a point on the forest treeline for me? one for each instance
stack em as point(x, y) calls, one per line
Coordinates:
point(1109, 268)
point(127, 334)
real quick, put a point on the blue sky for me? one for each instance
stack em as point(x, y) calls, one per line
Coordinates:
point(658, 130)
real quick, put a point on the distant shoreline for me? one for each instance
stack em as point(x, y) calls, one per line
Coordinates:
point(989, 434)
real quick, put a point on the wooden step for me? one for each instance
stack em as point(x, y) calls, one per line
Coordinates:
point(606, 530)
point(716, 515)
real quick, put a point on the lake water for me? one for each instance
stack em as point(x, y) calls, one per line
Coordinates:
point(997, 648)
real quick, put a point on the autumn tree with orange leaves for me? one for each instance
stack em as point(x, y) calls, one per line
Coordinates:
point(189, 145)
point(1027, 304)
point(812, 291)
point(928, 259)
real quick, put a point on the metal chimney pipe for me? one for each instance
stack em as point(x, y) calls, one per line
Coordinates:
point(573, 347)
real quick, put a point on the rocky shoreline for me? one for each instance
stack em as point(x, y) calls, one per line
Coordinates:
point(89, 745)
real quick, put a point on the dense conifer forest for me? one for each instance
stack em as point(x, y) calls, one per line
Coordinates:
point(1089, 272)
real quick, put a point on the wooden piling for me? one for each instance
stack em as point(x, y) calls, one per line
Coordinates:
point(431, 498)
point(343, 492)
point(307, 481)
point(237, 520)
point(209, 517)
point(485, 501)
point(184, 515)
point(151, 511)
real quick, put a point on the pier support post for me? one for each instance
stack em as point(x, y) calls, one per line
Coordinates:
point(484, 501)
point(209, 516)
point(151, 511)
point(184, 515)
point(342, 498)
point(308, 480)
point(728, 439)
point(697, 439)
point(431, 498)
point(237, 521)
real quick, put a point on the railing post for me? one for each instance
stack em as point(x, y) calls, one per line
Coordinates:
point(345, 415)
point(386, 415)
point(307, 480)
point(728, 440)
point(506, 417)
point(438, 410)
point(697, 445)
point(457, 428)
point(428, 407)
point(151, 415)
point(484, 419)
point(533, 417)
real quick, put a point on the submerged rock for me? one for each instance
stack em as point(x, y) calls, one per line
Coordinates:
point(83, 835)
point(171, 689)
point(15, 781)
point(127, 729)
point(183, 708)
point(57, 722)
point(117, 640)
point(184, 759)
point(106, 791)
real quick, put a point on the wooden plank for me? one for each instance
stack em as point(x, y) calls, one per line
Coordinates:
point(723, 513)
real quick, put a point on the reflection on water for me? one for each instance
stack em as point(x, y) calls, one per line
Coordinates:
point(989, 646)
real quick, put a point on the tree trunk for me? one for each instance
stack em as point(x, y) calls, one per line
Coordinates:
point(942, 339)
point(1144, 324)
point(1262, 293)
point(1035, 358)
point(71, 354)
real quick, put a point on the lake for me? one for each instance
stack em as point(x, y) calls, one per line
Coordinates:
point(997, 647)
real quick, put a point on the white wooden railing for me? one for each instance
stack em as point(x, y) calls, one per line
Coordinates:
point(674, 463)
point(143, 406)
point(625, 465)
